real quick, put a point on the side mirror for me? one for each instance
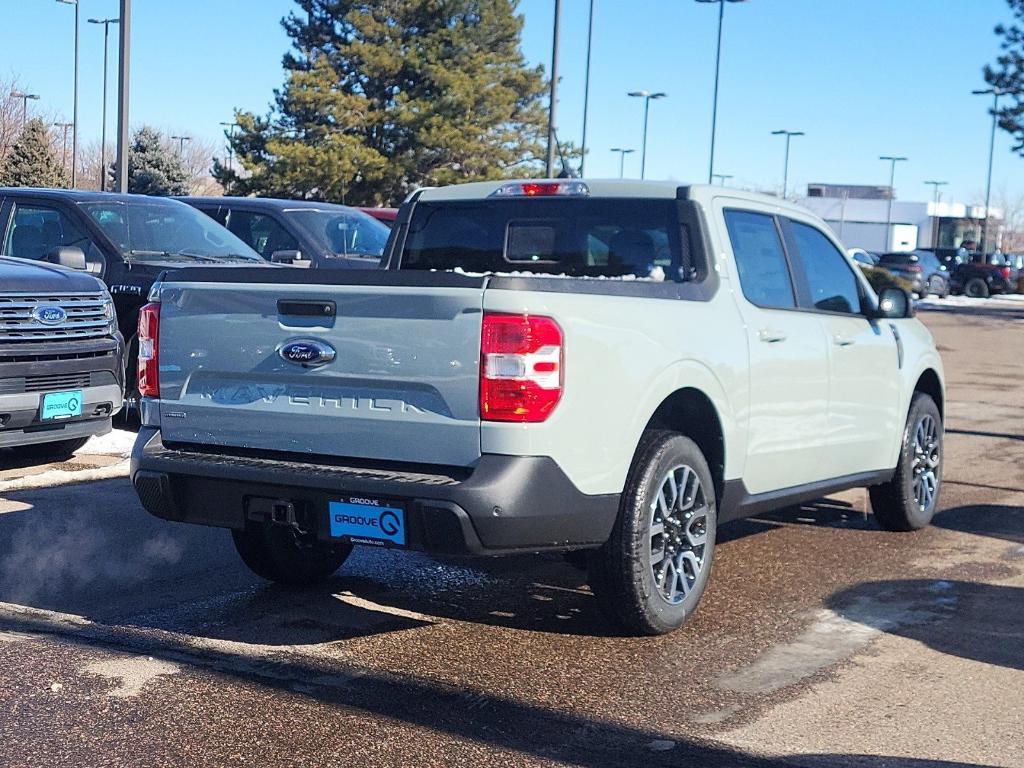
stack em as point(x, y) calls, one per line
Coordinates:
point(894, 304)
point(70, 256)
point(292, 257)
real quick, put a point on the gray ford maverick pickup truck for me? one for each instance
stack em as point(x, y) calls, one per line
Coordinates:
point(613, 368)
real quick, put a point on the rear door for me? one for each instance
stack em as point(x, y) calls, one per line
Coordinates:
point(368, 365)
point(864, 392)
point(787, 415)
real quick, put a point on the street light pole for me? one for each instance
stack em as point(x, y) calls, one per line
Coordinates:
point(892, 193)
point(103, 130)
point(123, 75)
point(935, 189)
point(586, 89)
point(64, 144)
point(714, 100)
point(74, 109)
point(181, 144)
point(721, 177)
point(785, 162)
point(553, 94)
point(646, 96)
point(622, 158)
point(996, 93)
point(24, 104)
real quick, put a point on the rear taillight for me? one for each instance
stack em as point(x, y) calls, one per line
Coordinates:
point(914, 268)
point(1006, 273)
point(520, 367)
point(149, 350)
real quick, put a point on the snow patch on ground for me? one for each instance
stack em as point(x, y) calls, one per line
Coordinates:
point(133, 673)
point(1002, 301)
point(117, 442)
point(52, 477)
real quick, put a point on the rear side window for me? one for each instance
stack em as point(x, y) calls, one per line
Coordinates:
point(580, 238)
point(261, 233)
point(828, 277)
point(760, 260)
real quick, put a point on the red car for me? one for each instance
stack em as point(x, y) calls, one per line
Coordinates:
point(385, 215)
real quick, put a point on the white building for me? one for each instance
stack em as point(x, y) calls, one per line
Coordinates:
point(862, 223)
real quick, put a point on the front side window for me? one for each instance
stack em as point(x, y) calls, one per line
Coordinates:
point(36, 230)
point(830, 281)
point(760, 259)
point(261, 233)
point(345, 233)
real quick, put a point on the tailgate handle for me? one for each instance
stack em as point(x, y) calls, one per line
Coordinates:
point(306, 308)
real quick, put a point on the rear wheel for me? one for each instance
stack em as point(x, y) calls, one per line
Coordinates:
point(650, 575)
point(59, 449)
point(976, 288)
point(938, 286)
point(908, 501)
point(279, 554)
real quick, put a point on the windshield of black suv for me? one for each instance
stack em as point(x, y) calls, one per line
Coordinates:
point(578, 237)
point(165, 230)
point(346, 233)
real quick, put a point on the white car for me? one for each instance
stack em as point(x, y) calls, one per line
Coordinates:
point(614, 367)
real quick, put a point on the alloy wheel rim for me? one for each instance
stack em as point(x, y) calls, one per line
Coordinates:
point(925, 465)
point(677, 534)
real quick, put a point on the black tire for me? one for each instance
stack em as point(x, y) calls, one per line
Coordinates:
point(938, 286)
point(976, 288)
point(895, 505)
point(130, 415)
point(622, 574)
point(274, 553)
point(59, 449)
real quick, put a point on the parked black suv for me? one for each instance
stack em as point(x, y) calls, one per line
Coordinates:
point(922, 269)
point(300, 232)
point(125, 240)
point(61, 358)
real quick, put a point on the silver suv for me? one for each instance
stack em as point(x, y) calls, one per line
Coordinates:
point(614, 367)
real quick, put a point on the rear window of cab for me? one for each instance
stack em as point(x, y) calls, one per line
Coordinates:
point(590, 237)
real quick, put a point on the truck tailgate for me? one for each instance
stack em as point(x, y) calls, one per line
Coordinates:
point(403, 384)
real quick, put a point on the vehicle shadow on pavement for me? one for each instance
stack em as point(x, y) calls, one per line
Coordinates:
point(466, 714)
point(824, 513)
point(952, 617)
point(998, 521)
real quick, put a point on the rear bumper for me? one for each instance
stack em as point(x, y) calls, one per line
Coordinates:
point(505, 504)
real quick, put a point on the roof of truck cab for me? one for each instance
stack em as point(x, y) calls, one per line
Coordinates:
point(612, 188)
point(273, 203)
point(77, 195)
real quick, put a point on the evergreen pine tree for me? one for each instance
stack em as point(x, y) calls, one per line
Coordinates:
point(383, 97)
point(1008, 75)
point(153, 169)
point(32, 161)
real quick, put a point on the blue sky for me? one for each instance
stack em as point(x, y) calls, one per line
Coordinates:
point(861, 77)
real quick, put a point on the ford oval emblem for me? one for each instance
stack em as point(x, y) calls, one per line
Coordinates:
point(306, 352)
point(49, 314)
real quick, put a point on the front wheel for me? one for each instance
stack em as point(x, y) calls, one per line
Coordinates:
point(650, 575)
point(908, 501)
point(277, 554)
point(976, 288)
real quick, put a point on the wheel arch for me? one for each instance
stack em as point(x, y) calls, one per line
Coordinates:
point(930, 384)
point(691, 412)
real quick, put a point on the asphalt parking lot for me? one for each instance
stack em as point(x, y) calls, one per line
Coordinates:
point(822, 641)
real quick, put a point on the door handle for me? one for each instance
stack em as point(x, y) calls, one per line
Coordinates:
point(771, 336)
point(842, 341)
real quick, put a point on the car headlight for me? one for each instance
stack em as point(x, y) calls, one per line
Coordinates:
point(110, 315)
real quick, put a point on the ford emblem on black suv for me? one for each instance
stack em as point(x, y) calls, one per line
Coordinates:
point(49, 314)
point(307, 352)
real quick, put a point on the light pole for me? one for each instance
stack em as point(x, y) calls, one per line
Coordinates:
point(64, 144)
point(586, 88)
point(996, 93)
point(722, 177)
point(231, 150)
point(181, 144)
point(646, 96)
point(714, 100)
point(74, 108)
point(935, 189)
point(123, 77)
point(622, 158)
point(553, 95)
point(103, 129)
point(892, 193)
point(785, 163)
point(24, 103)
